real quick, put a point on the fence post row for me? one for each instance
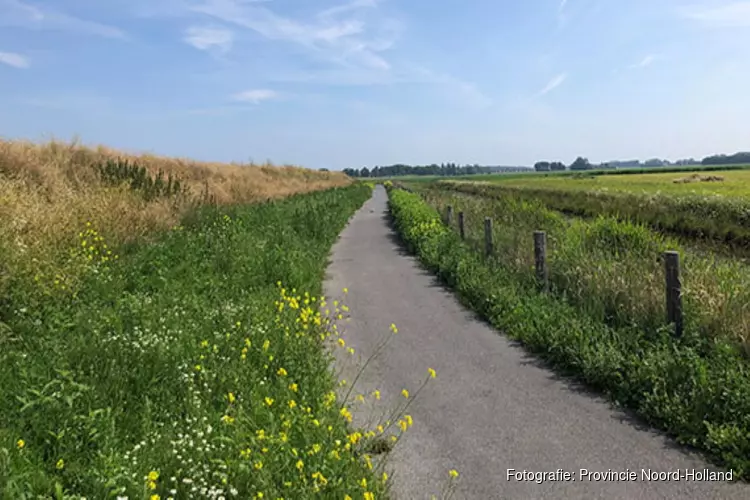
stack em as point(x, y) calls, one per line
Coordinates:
point(461, 225)
point(540, 259)
point(487, 236)
point(674, 290)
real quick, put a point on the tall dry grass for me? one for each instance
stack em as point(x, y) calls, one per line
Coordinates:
point(48, 192)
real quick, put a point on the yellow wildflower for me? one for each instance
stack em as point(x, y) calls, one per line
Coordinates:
point(369, 496)
point(405, 393)
point(385, 477)
point(269, 401)
point(293, 387)
point(258, 465)
point(393, 328)
point(432, 373)
point(363, 482)
point(60, 464)
point(227, 419)
point(453, 473)
point(292, 403)
point(20, 444)
point(153, 475)
point(231, 398)
point(376, 393)
point(282, 372)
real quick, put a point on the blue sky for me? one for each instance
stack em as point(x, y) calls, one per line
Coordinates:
point(373, 82)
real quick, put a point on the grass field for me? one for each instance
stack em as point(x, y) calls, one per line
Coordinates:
point(714, 211)
point(604, 318)
point(735, 183)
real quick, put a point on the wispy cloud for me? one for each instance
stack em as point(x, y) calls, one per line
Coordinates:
point(20, 14)
point(646, 61)
point(208, 37)
point(255, 96)
point(341, 34)
point(562, 5)
point(554, 83)
point(733, 14)
point(15, 60)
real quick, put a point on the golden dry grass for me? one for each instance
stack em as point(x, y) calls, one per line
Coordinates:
point(48, 192)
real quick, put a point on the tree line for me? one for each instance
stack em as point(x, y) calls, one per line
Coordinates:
point(580, 163)
point(444, 169)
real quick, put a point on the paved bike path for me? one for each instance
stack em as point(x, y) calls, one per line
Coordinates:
point(492, 407)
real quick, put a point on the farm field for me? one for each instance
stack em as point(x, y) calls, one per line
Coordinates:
point(717, 212)
point(728, 183)
point(603, 318)
point(169, 345)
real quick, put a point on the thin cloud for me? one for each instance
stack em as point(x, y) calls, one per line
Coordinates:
point(205, 38)
point(735, 14)
point(15, 60)
point(255, 96)
point(351, 39)
point(554, 83)
point(19, 14)
point(562, 5)
point(646, 61)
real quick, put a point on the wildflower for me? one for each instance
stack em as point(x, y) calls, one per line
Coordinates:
point(393, 328)
point(363, 482)
point(60, 464)
point(341, 342)
point(153, 475)
point(403, 425)
point(351, 350)
point(20, 444)
point(266, 345)
point(245, 453)
point(151, 485)
point(227, 419)
point(198, 368)
point(376, 393)
point(380, 429)
point(432, 373)
point(155, 497)
point(269, 401)
point(453, 473)
point(204, 343)
point(231, 398)
point(300, 464)
point(369, 496)
point(293, 387)
point(385, 477)
point(292, 404)
point(405, 393)
point(347, 497)
point(345, 290)
point(346, 414)
point(360, 398)
point(282, 372)
point(258, 465)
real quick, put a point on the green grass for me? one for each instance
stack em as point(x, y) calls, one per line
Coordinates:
point(185, 360)
point(713, 218)
point(697, 388)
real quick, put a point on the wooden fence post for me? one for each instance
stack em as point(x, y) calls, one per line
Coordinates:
point(461, 225)
point(487, 236)
point(540, 259)
point(449, 215)
point(674, 290)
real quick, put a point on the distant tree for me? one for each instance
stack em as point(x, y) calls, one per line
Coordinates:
point(557, 165)
point(581, 163)
point(365, 172)
point(323, 170)
point(722, 159)
point(542, 166)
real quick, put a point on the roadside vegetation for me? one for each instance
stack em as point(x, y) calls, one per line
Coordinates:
point(603, 320)
point(49, 191)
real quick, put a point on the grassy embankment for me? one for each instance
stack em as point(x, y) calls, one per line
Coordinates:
point(603, 320)
point(716, 211)
point(175, 366)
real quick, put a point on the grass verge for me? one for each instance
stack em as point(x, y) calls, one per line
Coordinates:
point(185, 369)
point(697, 389)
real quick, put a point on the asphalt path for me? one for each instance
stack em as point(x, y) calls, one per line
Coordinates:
point(492, 407)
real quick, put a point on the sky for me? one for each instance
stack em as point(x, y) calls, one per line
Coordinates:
point(336, 83)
